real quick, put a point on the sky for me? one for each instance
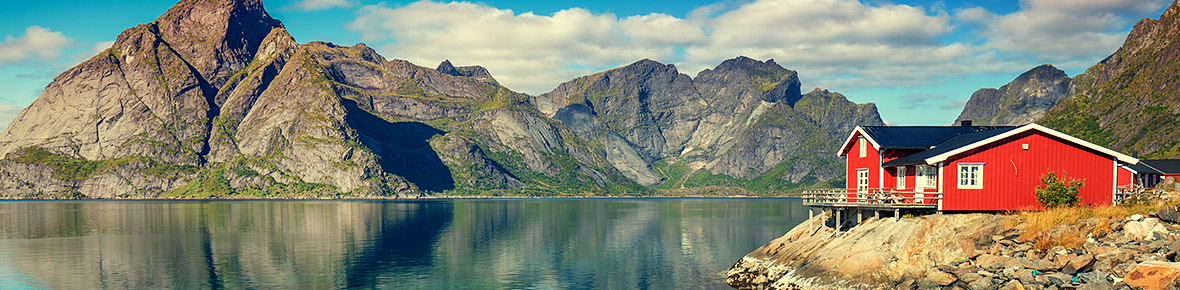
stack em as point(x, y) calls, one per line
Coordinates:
point(918, 60)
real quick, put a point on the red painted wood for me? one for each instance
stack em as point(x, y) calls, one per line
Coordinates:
point(1126, 178)
point(872, 161)
point(1011, 174)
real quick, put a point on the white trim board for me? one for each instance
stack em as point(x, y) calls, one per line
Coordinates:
point(848, 141)
point(1025, 128)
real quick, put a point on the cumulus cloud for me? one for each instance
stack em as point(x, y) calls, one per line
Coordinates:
point(38, 43)
point(1060, 30)
point(312, 5)
point(840, 44)
point(527, 52)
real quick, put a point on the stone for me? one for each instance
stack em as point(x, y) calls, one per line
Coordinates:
point(1096, 286)
point(928, 285)
point(995, 263)
point(1062, 260)
point(1169, 214)
point(1013, 285)
point(939, 277)
point(1135, 217)
point(970, 277)
point(1027, 276)
point(1078, 264)
point(1154, 275)
point(1041, 265)
point(1059, 279)
point(981, 284)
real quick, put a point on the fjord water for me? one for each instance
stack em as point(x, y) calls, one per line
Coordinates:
point(423, 244)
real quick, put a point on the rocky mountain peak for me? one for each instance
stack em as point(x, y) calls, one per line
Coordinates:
point(1042, 72)
point(1022, 101)
point(216, 37)
point(474, 71)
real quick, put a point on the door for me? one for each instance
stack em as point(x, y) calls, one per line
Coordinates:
point(862, 180)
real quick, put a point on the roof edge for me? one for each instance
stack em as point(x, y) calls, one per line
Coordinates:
point(1025, 128)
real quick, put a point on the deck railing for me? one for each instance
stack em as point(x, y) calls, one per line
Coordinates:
point(1135, 192)
point(872, 197)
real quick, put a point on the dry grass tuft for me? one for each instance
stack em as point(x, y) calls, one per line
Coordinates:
point(1074, 227)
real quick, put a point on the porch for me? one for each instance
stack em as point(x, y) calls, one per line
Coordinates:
point(844, 203)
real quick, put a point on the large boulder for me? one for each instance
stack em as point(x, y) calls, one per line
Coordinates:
point(1154, 275)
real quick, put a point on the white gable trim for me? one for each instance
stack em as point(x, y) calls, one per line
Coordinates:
point(1025, 128)
point(848, 141)
point(1128, 169)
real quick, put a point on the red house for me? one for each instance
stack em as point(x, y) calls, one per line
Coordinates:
point(974, 168)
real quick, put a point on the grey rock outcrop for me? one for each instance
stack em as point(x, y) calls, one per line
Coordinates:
point(1022, 101)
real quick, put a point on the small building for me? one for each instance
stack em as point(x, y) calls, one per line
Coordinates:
point(1139, 176)
point(967, 168)
point(1165, 167)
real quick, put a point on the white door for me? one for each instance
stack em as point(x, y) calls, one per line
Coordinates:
point(862, 180)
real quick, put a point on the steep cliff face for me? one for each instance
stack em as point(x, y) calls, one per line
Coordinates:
point(1129, 101)
point(1019, 102)
point(215, 98)
point(743, 123)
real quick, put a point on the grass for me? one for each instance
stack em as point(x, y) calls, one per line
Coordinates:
point(1070, 226)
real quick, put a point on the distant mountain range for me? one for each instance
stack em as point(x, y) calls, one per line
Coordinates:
point(215, 98)
point(1129, 101)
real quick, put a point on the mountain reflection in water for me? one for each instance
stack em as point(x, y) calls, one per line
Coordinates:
point(432, 244)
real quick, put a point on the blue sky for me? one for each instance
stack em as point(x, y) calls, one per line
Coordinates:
point(918, 60)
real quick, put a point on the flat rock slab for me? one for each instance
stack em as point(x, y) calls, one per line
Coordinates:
point(1152, 275)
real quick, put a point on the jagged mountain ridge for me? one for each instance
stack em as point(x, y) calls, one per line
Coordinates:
point(1129, 101)
point(215, 98)
point(742, 121)
point(1022, 101)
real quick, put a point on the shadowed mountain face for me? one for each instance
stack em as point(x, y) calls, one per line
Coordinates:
point(742, 123)
point(1019, 102)
point(215, 98)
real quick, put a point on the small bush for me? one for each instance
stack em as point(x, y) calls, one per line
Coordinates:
point(1054, 192)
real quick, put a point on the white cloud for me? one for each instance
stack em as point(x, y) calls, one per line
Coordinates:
point(1062, 30)
point(527, 52)
point(312, 5)
point(838, 44)
point(38, 43)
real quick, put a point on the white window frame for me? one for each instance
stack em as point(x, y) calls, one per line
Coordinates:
point(862, 180)
point(901, 171)
point(863, 150)
point(965, 177)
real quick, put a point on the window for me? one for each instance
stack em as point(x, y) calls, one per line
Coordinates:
point(862, 147)
point(862, 180)
point(901, 177)
point(930, 174)
point(971, 175)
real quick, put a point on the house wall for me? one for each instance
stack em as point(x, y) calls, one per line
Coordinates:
point(1011, 174)
point(872, 161)
point(1126, 177)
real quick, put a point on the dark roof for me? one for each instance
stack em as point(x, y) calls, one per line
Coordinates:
point(1165, 166)
point(1142, 167)
point(920, 137)
point(953, 143)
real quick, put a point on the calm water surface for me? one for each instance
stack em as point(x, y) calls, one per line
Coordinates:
point(437, 244)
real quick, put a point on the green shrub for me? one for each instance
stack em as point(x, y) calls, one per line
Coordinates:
point(1054, 192)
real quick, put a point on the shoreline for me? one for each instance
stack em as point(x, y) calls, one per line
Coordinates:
point(1029, 250)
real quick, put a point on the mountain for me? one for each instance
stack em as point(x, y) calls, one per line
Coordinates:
point(1130, 101)
point(743, 123)
point(215, 98)
point(1019, 102)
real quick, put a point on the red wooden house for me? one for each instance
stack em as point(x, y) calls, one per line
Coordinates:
point(975, 168)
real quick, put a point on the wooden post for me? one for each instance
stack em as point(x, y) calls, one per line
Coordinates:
point(837, 219)
point(859, 216)
point(897, 213)
point(877, 213)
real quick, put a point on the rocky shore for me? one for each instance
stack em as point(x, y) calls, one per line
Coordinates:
point(970, 251)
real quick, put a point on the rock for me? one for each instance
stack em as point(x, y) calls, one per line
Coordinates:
point(1096, 286)
point(939, 277)
point(1041, 265)
point(1024, 100)
point(1169, 214)
point(1059, 279)
point(1154, 275)
point(970, 277)
point(1135, 217)
point(996, 263)
point(1027, 276)
point(1078, 264)
point(1144, 229)
point(981, 284)
point(1062, 260)
point(928, 285)
point(1096, 277)
point(1013, 285)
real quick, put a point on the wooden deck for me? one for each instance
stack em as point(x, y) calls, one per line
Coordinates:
point(872, 199)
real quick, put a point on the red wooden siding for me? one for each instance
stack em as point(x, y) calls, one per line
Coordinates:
point(872, 161)
point(1010, 173)
point(1125, 177)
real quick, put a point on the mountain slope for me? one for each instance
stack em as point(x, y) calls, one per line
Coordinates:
point(1022, 101)
point(743, 123)
point(1130, 101)
point(215, 98)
